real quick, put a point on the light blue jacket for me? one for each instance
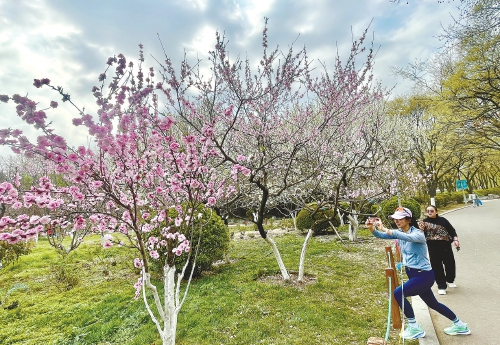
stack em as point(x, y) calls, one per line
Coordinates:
point(413, 247)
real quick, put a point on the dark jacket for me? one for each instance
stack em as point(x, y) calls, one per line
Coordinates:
point(436, 233)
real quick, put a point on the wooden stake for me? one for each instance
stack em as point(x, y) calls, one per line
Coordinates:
point(388, 251)
point(395, 314)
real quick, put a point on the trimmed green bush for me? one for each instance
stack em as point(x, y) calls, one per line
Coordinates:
point(214, 243)
point(442, 199)
point(458, 197)
point(319, 222)
point(390, 205)
point(484, 192)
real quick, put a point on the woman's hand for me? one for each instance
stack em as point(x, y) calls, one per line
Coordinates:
point(369, 224)
point(372, 223)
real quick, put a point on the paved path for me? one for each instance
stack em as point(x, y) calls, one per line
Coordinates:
point(476, 300)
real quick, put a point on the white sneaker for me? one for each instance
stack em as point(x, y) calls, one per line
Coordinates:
point(452, 285)
point(442, 292)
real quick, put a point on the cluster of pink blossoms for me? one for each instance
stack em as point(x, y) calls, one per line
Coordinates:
point(183, 246)
point(155, 245)
point(23, 227)
point(138, 287)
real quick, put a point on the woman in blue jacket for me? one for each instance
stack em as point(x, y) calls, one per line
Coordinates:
point(419, 272)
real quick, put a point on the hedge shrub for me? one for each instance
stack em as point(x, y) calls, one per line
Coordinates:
point(214, 243)
point(484, 192)
point(390, 205)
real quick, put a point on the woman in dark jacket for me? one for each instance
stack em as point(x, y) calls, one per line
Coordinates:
point(439, 234)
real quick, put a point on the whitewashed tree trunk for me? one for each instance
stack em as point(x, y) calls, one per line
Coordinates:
point(277, 255)
point(303, 256)
point(353, 227)
point(255, 216)
point(341, 216)
point(294, 218)
point(169, 311)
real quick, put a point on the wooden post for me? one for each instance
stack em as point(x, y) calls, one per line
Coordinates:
point(388, 251)
point(395, 314)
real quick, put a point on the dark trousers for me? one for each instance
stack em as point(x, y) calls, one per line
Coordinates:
point(442, 262)
point(420, 283)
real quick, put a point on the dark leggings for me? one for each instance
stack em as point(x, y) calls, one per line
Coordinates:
point(442, 262)
point(419, 283)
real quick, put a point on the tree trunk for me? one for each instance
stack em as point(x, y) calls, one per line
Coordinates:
point(277, 255)
point(170, 318)
point(303, 256)
point(171, 303)
point(353, 227)
point(341, 216)
point(432, 187)
point(294, 218)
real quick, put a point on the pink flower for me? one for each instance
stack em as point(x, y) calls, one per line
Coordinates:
point(4, 236)
point(178, 221)
point(123, 228)
point(107, 244)
point(211, 201)
point(17, 205)
point(166, 123)
point(53, 104)
point(145, 215)
point(12, 240)
point(190, 139)
point(154, 254)
point(174, 146)
point(108, 237)
point(138, 287)
point(81, 150)
point(138, 263)
point(44, 220)
point(245, 171)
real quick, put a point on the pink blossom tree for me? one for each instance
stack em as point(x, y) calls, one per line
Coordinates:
point(140, 169)
point(276, 127)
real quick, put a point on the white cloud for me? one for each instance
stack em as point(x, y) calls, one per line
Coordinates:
point(69, 41)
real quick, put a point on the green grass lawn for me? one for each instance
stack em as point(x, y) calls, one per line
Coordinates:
point(87, 298)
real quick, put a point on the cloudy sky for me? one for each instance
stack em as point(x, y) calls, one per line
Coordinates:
point(69, 41)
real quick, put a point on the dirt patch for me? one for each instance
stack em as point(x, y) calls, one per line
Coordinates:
point(247, 235)
point(277, 279)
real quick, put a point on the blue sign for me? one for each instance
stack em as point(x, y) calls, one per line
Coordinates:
point(462, 184)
